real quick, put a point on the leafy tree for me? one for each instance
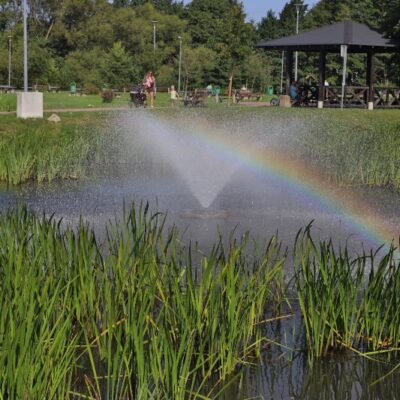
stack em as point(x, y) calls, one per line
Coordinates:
point(269, 27)
point(198, 65)
point(117, 67)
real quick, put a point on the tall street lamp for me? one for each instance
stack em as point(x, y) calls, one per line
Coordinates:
point(25, 10)
point(180, 63)
point(9, 59)
point(297, 32)
point(154, 35)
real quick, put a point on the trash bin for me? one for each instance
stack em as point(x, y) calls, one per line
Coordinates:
point(270, 91)
point(72, 88)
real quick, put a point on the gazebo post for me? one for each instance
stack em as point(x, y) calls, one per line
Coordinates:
point(289, 71)
point(321, 86)
point(371, 78)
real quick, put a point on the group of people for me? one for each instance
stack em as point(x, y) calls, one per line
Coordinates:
point(149, 84)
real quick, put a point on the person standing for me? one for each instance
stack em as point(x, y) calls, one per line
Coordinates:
point(173, 96)
point(150, 84)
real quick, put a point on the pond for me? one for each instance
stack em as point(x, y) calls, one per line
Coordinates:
point(221, 177)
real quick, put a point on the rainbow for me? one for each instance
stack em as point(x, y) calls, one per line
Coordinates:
point(309, 184)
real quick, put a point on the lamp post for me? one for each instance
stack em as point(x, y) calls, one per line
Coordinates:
point(283, 57)
point(297, 32)
point(25, 11)
point(29, 104)
point(9, 59)
point(154, 35)
point(180, 63)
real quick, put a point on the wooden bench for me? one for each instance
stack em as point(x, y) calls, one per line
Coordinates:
point(40, 88)
point(240, 95)
point(53, 89)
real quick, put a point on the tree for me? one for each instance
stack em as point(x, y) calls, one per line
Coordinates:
point(117, 68)
point(269, 27)
point(198, 65)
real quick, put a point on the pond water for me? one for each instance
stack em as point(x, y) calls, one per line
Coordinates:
point(239, 196)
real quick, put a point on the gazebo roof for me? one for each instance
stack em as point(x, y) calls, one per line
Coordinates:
point(358, 37)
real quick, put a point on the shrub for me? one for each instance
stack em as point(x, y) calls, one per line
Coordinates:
point(107, 95)
point(91, 88)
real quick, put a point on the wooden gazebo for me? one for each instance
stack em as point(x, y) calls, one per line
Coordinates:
point(356, 38)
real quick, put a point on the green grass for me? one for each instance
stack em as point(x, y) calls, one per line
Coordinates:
point(42, 151)
point(347, 302)
point(133, 317)
point(355, 147)
point(63, 100)
point(350, 147)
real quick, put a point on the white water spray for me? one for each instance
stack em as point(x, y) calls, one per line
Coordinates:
point(201, 165)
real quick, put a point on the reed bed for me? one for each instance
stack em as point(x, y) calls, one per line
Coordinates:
point(141, 316)
point(355, 152)
point(347, 302)
point(133, 317)
point(44, 153)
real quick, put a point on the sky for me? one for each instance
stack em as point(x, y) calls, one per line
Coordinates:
point(256, 9)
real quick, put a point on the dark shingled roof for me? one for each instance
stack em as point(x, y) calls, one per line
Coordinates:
point(357, 36)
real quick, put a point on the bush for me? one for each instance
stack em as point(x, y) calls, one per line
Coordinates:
point(107, 96)
point(91, 88)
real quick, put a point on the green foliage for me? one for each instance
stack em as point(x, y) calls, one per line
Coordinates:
point(45, 151)
point(132, 317)
point(78, 40)
point(117, 68)
point(107, 95)
point(340, 309)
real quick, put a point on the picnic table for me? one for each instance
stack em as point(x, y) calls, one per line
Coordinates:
point(6, 89)
point(242, 94)
point(195, 98)
point(44, 88)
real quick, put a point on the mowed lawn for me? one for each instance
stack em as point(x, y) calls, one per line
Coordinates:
point(63, 100)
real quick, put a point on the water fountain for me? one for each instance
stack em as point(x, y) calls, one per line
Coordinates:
point(220, 173)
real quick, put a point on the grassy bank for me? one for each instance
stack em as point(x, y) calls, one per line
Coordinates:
point(63, 100)
point(42, 151)
point(355, 147)
point(135, 318)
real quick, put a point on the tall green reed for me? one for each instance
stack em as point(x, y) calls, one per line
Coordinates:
point(346, 302)
point(137, 316)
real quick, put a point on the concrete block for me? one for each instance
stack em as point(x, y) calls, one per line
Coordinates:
point(284, 100)
point(30, 105)
point(370, 105)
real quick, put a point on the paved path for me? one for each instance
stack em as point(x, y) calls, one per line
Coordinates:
point(64, 110)
point(100, 109)
point(255, 103)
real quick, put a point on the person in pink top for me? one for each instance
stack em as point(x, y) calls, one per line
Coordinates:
point(149, 84)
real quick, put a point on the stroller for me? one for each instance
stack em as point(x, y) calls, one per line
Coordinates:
point(138, 96)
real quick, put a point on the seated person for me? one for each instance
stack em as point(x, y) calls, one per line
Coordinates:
point(294, 92)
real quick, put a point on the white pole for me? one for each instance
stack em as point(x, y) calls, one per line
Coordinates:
point(154, 35)
point(343, 53)
point(297, 32)
point(9, 59)
point(283, 56)
point(25, 47)
point(180, 63)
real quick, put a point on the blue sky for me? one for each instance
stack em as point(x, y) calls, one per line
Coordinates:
point(256, 9)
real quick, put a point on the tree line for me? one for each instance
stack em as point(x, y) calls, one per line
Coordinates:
point(105, 43)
